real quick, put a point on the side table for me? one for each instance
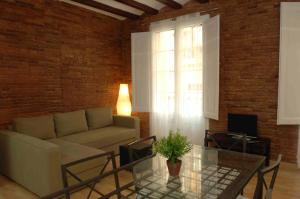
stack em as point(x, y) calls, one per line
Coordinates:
point(136, 150)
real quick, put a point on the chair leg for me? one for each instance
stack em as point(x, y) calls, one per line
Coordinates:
point(259, 187)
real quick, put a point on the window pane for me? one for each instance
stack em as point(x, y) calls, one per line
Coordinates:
point(165, 61)
point(184, 94)
point(186, 36)
point(197, 36)
point(166, 40)
point(164, 69)
point(190, 73)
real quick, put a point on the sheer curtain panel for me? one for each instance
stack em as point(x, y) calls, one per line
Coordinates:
point(177, 77)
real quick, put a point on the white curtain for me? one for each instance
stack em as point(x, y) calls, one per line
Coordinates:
point(177, 77)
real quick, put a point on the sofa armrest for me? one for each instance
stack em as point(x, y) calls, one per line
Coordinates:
point(31, 162)
point(129, 122)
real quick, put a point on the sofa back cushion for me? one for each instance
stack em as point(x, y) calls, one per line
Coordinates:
point(41, 127)
point(99, 117)
point(70, 123)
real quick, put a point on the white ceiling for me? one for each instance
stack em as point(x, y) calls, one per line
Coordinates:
point(152, 3)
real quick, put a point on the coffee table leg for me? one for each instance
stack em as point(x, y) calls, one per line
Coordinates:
point(92, 188)
point(65, 181)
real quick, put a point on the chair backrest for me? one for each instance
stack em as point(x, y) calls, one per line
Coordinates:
point(273, 168)
point(224, 140)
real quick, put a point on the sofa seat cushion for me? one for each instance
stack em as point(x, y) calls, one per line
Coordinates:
point(40, 127)
point(69, 123)
point(71, 151)
point(103, 137)
point(99, 117)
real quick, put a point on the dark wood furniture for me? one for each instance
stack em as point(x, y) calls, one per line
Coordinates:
point(224, 141)
point(136, 150)
point(238, 142)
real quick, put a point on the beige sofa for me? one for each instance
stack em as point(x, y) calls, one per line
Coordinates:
point(32, 152)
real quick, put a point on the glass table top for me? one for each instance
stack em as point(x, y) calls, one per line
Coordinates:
point(205, 173)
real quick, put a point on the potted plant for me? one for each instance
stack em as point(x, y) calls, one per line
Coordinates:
point(173, 147)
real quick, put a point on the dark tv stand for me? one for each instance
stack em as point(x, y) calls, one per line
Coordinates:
point(259, 145)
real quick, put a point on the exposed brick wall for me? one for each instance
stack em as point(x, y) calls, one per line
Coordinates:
point(249, 64)
point(56, 57)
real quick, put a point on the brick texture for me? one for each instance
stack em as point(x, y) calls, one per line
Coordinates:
point(249, 64)
point(56, 57)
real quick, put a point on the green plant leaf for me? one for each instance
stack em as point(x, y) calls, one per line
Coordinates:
point(173, 147)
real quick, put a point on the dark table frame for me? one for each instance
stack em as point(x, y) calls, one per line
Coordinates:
point(66, 170)
point(66, 191)
point(259, 187)
point(111, 157)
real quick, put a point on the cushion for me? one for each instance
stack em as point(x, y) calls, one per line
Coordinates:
point(101, 138)
point(71, 152)
point(69, 123)
point(40, 127)
point(99, 117)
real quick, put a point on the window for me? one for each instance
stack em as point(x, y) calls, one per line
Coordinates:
point(185, 79)
point(177, 79)
point(175, 74)
point(164, 72)
point(191, 72)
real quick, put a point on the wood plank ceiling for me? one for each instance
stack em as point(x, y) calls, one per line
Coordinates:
point(132, 9)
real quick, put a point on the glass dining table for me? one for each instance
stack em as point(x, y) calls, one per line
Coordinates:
point(205, 173)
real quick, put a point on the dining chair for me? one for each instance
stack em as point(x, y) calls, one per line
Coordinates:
point(262, 174)
point(226, 140)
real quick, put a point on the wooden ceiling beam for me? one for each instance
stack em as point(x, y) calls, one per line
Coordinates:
point(104, 7)
point(203, 1)
point(147, 9)
point(171, 3)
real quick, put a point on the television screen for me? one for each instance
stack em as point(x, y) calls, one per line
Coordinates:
point(239, 123)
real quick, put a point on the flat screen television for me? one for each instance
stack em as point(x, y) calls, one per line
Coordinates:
point(243, 124)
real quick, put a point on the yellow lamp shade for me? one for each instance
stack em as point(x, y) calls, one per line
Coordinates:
point(123, 103)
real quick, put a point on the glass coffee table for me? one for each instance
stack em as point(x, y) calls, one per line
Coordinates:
point(205, 173)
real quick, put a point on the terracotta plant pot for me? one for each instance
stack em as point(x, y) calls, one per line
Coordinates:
point(174, 169)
